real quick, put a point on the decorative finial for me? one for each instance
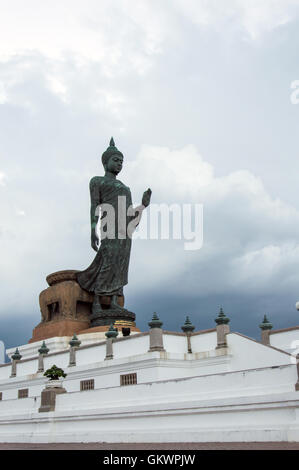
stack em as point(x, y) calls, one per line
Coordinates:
point(112, 144)
point(75, 342)
point(112, 332)
point(43, 349)
point(187, 327)
point(155, 322)
point(266, 325)
point(222, 319)
point(16, 355)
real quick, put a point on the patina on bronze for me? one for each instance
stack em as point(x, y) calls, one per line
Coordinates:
point(108, 273)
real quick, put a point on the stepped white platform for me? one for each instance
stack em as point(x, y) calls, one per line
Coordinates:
point(245, 391)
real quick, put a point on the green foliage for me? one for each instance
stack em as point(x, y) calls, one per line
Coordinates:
point(54, 373)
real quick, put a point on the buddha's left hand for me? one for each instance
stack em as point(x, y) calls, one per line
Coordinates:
point(146, 198)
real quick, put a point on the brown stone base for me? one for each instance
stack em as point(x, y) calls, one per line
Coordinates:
point(69, 327)
point(67, 309)
point(51, 329)
point(48, 399)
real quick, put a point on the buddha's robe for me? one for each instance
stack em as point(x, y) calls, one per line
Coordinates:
point(108, 272)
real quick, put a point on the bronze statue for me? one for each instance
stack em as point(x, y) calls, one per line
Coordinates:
point(108, 273)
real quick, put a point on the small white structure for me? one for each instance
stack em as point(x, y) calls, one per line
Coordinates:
point(228, 387)
point(2, 352)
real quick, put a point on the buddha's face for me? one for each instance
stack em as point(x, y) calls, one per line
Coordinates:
point(115, 164)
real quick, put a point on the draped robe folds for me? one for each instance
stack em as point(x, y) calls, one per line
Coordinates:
point(108, 272)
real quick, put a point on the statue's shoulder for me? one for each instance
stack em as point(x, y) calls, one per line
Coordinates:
point(95, 182)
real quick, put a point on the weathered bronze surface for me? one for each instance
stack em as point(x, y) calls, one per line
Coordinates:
point(108, 273)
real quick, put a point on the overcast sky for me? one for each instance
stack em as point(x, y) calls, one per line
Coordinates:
point(197, 95)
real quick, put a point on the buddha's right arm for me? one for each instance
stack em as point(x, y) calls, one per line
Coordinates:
point(94, 201)
point(94, 215)
point(93, 218)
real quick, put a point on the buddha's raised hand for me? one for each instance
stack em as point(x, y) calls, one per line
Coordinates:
point(146, 198)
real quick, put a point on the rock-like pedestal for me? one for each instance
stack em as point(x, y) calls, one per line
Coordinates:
point(48, 396)
point(66, 309)
point(122, 317)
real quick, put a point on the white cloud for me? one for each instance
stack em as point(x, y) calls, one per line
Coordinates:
point(20, 212)
point(58, 87)
point(249, 237)
point(122, 35)
point(125, 35)
point(3, 96)
point(261, 17)
point(253, 17)
point(182, 170)
point(3, 179)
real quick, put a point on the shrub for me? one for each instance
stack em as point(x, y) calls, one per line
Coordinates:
point(54, 373)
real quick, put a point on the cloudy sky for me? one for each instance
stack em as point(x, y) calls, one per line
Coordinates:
point(198, 96)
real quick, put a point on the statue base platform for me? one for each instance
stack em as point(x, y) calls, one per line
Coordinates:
point(67, 309)
point(45, 330)
point(103, 329)
point(117, 316)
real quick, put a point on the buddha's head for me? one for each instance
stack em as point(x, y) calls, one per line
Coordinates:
point(112, 158)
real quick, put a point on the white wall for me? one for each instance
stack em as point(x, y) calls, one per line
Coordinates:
point(257, 405)
point(204, 342)
point(229, 384)
point(24, 406)
point(249, 354)
point(175, 344)
point(132, 346)
point(90, 355)
point(131, 356)
point(286, 340)
point(5, 371)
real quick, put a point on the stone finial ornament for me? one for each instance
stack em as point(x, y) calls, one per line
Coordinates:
point(222, 319)
point(155, 322)
point(156, 334)
point(188, 327)
point(222, 329)
point(266, 325)
point(43, 349)
point(16, 356)
point(112, 332)
point(74, 342)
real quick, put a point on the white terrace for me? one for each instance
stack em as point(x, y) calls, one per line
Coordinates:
point(147, 387)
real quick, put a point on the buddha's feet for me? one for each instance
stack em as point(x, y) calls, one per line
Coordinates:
point(114, 305)
point(114, 313)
